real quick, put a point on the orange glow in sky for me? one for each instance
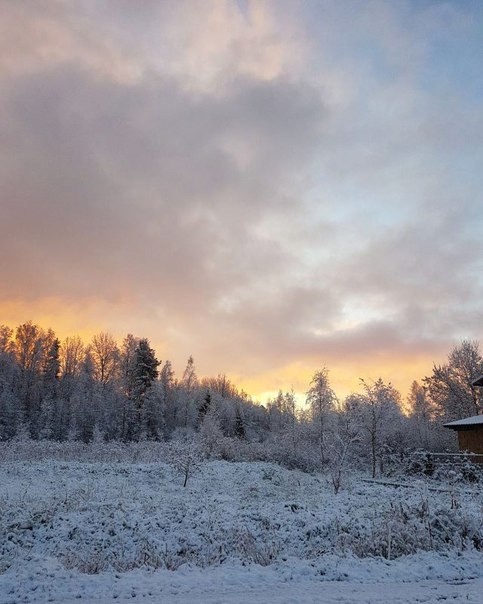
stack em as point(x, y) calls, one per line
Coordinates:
point(344, 375)
point(271, 187)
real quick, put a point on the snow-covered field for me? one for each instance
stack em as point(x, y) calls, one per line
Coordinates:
point(239, 532)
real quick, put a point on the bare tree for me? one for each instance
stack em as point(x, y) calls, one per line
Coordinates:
point(71, 356)
point(105, 356)
point(31, 341)
point(6, 342)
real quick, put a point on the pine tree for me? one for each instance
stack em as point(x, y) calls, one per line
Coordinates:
point(239, 425)
point(204, 407)
point(145, 369)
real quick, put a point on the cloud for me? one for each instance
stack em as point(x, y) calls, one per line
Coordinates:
point(140, 177)
point(148, 194)
point(273, 187)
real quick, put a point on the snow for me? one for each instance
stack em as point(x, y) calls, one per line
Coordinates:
point(475, 420)
point(72, 531)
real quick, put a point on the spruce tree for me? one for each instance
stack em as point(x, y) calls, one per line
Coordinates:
point(204, 407)
point(239, 425)
point(145, 369)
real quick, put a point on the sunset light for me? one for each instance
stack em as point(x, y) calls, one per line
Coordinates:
point(241, 301)
point(271, 187)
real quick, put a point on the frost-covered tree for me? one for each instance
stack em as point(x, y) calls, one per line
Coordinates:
point(10, 410)
point(6, 340)
point(153, 412)
point(281, 412)
point(168, 383)
point(166, 375)
point(105, 356)
point(421, 413)
point(275, 413)
point(340, 442)
point(51, 421)
point(30, 343)
point(204, 407)
point(86, 397)
point(379, 412)
point(186, 459)
point(30, 346)
point(321, 400)
point(145, 414)
point(126, 363)
point(240, 431)
point(145, 368)
point(220, 385)
point(51, 367)
point(71, 357)
point(190, 379)
point(187, 394)
point(450, 386)
point(211, 436)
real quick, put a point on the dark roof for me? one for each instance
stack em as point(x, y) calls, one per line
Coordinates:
point(474, 421)
point(478, 381)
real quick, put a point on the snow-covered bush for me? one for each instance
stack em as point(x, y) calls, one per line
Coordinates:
point(400, 529)
point(262, 551)
point(458, 472)
point(95, 451)
point(450, 469)
point(186, 458)
point(420, 463)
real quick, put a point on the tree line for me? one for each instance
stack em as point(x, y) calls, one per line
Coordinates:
point(72, 390)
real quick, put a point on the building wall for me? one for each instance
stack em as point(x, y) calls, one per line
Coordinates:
point(471, 440)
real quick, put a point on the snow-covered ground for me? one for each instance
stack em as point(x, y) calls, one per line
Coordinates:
point(239, 532)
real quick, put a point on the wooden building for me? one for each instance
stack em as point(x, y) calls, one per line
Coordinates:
point(470, 433)
point(470, 430)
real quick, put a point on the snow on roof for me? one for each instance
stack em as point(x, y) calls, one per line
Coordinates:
point(468, 421)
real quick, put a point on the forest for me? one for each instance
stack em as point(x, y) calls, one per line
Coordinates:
point(103, 390)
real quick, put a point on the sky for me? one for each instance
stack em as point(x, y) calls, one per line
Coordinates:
point(272, 187)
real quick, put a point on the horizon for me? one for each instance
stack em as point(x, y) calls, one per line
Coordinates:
point(261, 398)
point(272, 188)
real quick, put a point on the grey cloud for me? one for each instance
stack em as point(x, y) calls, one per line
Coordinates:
point(383, 339)
point(109, 188)
point(247, 216)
